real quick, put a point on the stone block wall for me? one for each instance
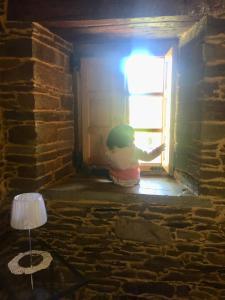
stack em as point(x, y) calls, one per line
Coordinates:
point(212, 101)
point(36, 107)
point(188, 116)
point(139, 247)
point(200, 128)
point(2, 11)
point(3, 14)
point(2, 163)
point(3, 8)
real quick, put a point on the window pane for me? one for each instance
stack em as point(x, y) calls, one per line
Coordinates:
point(145, 112)
point(144, 74)
point(147, 141)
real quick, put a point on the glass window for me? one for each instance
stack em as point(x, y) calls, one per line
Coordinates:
point(145, 80)
point(145, 111)
point(147, 141)
point(144, 74)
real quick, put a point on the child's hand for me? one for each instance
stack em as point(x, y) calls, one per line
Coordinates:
point(160, 149)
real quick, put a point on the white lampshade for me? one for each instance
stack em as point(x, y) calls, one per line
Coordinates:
point(28, 211)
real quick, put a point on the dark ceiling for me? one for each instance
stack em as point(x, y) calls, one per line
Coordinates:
point(152, 19)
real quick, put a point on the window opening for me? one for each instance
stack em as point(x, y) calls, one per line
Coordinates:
point(148, 108)
point(147, 80)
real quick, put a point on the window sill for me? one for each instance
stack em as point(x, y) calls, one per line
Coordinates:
point(152, 190)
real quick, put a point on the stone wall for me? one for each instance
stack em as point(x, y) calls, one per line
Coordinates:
point(36, 107)
point(129, 247)
point(3, 14)
point(2, 164)
point(200, 127)
point(188, 116)
point(212, 101)
point(139, 247)
point(3, 9)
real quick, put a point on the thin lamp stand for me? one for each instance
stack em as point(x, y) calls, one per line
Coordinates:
point(31, 262)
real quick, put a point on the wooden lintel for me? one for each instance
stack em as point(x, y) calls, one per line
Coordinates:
point(150, 21)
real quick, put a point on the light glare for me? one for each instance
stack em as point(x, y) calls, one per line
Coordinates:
point(144, 73)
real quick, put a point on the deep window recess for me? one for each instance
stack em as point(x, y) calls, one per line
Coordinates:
point(144, 102)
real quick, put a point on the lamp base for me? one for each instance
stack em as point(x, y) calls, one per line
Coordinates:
point(16, 268)
point(25, 260)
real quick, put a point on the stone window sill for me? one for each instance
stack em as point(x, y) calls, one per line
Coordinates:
point(152, 189)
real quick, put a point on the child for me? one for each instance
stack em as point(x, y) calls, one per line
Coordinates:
point(123, 156)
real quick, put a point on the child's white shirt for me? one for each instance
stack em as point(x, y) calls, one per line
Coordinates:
point(127, 157)
point(124, 164)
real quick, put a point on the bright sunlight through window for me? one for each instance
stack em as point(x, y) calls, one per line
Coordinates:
point(145, 80)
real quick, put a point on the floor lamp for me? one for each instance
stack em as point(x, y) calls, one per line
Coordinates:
point(29, 212)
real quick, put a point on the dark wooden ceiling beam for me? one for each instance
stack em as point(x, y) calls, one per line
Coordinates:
point(52, 10)
point(155, 27)
point(147, 21)
point(119, 18)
